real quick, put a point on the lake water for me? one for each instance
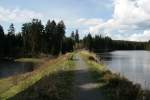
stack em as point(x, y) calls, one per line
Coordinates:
point(8, 68)
point(134, 65)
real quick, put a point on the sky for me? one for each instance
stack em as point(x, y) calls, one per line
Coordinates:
point(119, 19)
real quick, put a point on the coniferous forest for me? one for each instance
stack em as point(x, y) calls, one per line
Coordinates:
point(99, 43)
point(35, 39)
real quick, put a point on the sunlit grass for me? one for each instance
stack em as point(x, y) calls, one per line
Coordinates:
point(11, 86)
point(32, 60)
point(114, 86)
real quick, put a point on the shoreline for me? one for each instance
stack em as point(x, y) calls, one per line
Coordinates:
point(114, 85)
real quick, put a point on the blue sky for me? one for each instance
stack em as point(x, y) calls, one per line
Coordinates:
point(67, 10)
point(119, 19)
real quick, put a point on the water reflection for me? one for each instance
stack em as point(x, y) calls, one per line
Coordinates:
point(105, 56)
point(135, 65)
point(10, 68)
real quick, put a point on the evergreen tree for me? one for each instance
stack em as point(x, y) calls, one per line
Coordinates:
point(77, 36)
point(26, 30)
point(10, 40)
point(89, 42)
point(68, 44)
point(58, 38)
point(73, 36)
point(50, 30)
point(2, 41)
point(36, 34)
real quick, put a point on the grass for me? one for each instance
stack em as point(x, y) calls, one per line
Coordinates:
point(33, 60)
point(111, 84)
point(17, 85)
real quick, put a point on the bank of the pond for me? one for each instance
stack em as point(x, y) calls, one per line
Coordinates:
point(113, 85)
point(50, 72)
point(19, 66)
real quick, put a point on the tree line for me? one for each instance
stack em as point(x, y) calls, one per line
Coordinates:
point(99, 43)
point(35, 38)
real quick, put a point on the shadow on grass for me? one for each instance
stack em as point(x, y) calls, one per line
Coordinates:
point(59, 86)
point(56, 86)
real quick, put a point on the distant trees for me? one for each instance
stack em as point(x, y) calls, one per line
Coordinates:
point(35, 38)
point(26, 30)
point(2, 41)
point(76, 36)
point(32, 34)
point(10, 43)
point(58, 38)
point(76, 40)
point(88, 42)
point(50, 29)
point(68, 45)
point(36, 32)
point(11, 40)
point(101, 44)
point(47, 40)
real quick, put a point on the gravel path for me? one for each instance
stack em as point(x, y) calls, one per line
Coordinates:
point(84, 87)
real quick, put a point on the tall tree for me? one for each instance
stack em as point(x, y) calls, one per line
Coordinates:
point(2, 41)
point(36, 34)
point(88, 41)
point(59, 37)
point(32, 36)
point(11, 30)
point(68, 44)
point(77, 36)
point(26, 30)
point(50, 30)
point(11, 40)
point(73, 35)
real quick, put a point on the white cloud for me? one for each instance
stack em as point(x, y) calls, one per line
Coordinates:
point(140, 37)
point(130, 17)
point(18, 15)
point(93, 21)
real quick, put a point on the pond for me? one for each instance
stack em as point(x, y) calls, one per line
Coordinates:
point(134, 65)
point(10, 68)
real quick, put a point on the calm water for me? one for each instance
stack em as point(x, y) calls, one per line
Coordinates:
point(134, 65)
point(13, 68)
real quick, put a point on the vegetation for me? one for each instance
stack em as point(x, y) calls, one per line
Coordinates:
point(114, 86)
point(35, 39)
point(57, 72)
point(101, 44)
point(54, 79)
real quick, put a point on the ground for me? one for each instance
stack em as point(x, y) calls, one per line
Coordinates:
point(74, 76)
point(85, 87)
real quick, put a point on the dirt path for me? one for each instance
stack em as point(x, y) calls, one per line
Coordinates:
point(85, 88)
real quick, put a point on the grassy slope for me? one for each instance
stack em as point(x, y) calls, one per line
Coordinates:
point(113, 85)
point(14, 85)
point(33, 60)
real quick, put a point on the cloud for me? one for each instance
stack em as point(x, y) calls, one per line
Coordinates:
point(92, 21)
point(130, 21)
point(140, 37)
point(18, 15)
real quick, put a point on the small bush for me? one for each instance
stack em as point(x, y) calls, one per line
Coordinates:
point(92, 58)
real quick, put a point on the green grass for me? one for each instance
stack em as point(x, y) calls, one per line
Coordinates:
point(111, 84)
point(12, 86)
point(33, 60)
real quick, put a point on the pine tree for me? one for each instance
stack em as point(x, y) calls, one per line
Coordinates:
point(11, 40)
point(2, 41)
point(77, 36)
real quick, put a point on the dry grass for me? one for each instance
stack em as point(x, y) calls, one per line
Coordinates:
point(14, 85)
